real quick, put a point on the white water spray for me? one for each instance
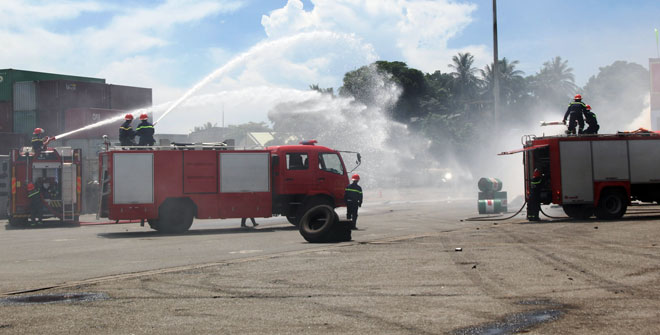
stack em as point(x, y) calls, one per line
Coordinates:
point(259, 48)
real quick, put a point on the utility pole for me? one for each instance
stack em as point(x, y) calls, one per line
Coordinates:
point(496, 73)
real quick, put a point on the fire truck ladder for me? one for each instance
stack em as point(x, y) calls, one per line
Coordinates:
point(68, 185)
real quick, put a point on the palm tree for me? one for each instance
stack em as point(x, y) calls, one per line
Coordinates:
point(512, 82)
point(555, 82)
point(466, 83)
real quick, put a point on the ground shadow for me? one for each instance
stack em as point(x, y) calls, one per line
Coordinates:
point(43, 225)
point(197, 232)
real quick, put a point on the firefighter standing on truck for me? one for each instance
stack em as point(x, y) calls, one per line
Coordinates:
point(574, 115)
point(126, 133)
point(592, 122)
point(37, 141)
point(146, 131)
point(534, 202)
point(353, 198)
point(34, 194)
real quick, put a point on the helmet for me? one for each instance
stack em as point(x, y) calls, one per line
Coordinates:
point(37, 131)
point(144, 116)
point(578, 97)
point(536, 173)
point(356, 177)
point(128, 116)
point(588, 107)
point(30, 187)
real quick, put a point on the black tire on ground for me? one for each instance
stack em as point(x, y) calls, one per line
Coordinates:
point(175, 216)
point(292, 220)
point(580, 212)
point(611, 205)
point(153, 224)
point(317, 223)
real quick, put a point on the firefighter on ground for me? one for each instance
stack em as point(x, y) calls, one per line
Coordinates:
point(534, 202)
point(37, 141)
point(126, 133)
point(353, 198)
point(592, 122)
point(574, 114)
point(36, 204)
point(146, 131)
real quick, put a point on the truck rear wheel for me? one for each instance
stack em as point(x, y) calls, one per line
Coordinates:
point(317, 223)
point(175, 216)
point(580, 212)
point(611, 205)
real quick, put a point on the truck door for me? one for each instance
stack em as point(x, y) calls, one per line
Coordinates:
point(298, 177)
point(331, 175)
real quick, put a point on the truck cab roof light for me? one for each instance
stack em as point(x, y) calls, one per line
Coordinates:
point(309, 142)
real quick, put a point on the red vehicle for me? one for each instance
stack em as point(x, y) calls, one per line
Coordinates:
point(57, 172)
point(169, 186)
point(594, 174)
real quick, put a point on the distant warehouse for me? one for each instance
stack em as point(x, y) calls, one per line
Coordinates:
point(60, 103)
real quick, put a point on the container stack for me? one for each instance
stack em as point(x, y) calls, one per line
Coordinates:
point(491, 197)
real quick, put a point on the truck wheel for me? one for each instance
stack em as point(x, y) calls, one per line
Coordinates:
point(580, 212)
point(175, 216)
point(611, 205)
point(317, 223)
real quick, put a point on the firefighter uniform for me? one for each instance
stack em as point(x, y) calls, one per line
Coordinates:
point(126, 134)
point(574, 115)
point(592, 122)
point(534, 202)
point(36, 204)
point(146, 132)
point(37, 144)
point(353, 198)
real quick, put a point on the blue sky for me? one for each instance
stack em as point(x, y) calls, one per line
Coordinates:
point(169, 45)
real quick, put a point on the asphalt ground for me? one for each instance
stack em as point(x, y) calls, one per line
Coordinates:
point(403, 273)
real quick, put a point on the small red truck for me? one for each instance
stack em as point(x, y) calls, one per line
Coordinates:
point(169, 186)
point(57, 172)
point(594, 174)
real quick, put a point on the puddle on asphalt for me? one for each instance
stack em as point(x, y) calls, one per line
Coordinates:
point(53, 298)
point(515, 323)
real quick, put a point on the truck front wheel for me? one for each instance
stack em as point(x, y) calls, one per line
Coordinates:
point(175, 216)
point(580, 212)
point(611, 205)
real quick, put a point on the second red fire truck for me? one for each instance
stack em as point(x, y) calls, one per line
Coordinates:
point(594, 174)
point(170, 186)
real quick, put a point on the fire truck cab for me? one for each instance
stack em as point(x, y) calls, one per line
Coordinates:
point(594, 174)
point(169, 186)
point(57, 174)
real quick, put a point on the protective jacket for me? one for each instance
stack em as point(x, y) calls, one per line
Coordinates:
point(574, 115)
point(126, 134)
point(146, 132)
point(37, 143)
point(353, 194)
point(534, 202)
point(590, 117)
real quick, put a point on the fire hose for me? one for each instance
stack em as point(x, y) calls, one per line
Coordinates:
point(498, 218)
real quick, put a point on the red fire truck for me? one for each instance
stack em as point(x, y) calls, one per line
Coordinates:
point(594, 174)
point(57, 172)
point(169, 186)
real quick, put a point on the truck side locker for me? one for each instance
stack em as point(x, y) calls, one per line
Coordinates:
point(576, 172)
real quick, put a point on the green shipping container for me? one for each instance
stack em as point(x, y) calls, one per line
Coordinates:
point(9, 76)
point(25, 122)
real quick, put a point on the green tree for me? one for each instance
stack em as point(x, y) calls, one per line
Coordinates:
point(554, 84)
point(466, 83)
